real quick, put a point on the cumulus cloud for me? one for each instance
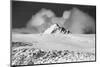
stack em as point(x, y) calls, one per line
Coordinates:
point(40, 17)
point(80, 22)
point(38, 23)
point(66, 14)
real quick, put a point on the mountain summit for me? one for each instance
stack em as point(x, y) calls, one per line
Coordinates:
point(55, 28)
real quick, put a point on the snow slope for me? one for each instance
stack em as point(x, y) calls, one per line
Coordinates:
point(72, 42)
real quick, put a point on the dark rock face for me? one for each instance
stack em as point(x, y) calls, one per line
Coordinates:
point(60, 30)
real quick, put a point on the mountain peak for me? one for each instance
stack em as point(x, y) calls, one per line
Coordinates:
point(55, 28)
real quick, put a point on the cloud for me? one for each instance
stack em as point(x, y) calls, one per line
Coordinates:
point(39, 18)
point(75, 20)
point(38, 23)
point(80, 22)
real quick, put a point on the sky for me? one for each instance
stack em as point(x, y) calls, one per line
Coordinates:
point(22, 12)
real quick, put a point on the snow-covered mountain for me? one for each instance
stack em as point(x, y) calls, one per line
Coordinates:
point(55, 28)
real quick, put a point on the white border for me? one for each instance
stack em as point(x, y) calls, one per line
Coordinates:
point(84, 2)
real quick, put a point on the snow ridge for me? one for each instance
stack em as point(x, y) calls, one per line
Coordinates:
point(56, 29)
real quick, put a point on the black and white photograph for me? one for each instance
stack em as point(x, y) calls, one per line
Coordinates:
point(44, 33)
